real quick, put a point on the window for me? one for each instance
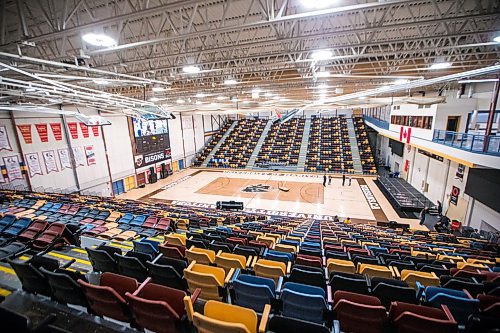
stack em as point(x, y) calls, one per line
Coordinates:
point(424, 122)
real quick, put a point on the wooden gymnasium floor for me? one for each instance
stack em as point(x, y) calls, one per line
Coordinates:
point(259, 192)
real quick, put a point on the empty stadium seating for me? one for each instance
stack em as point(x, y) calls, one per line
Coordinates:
point(202, 155)
point(365, 151)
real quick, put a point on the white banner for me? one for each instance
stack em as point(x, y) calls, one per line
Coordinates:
point(79, 156)
point(4, 139)
point(33, 163)
point(13, 168)
point(89, 153)
point(64, 158)
point(50, 161)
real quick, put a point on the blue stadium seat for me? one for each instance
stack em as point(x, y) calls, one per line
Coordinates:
point(253, 292)
point(459, 303)
point(303, 302)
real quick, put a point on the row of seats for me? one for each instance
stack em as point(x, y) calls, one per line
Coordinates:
point(329, 147)
point(212, 142)
point(365, 151)
point(237, 148)
point(282, 143)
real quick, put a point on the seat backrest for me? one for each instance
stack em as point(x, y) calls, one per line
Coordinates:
point(280, 324)
point(131, 266)
point(424, 278)
point(64, 288)
point(416, 318)
point(230, 260)
point(231, 314)
point(270, 269)
point(388, 293)
point(168, 272)
point(253, 292)
point(102, 261)
point(303, 302)
point(359, 313)
point(173, 251)
point(337, 265)
point(202, 256)
point(32, 280)
point(356, 285)
point(207, 278)
point(300, 274)
point(375, 271)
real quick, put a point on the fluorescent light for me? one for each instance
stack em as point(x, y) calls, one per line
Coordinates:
point(268, 94)
point(180, 101)
point(318, 3)
point(198, 102)
point(234, 99)
point(323, 74)
point(101, 81)
point(191, 69)
point(200, 95)
point(363, 97)
point(220, 98)
point(496, 39)
point(30, 89)
point(440, 65)
point(401, 81)
point(98, 40)
point(154, 99)
point(463, 81)
point(339, 90)
point(384, 87)
point(321, 55)
point(158, 89)
point(230, 82)
point(322, 86)
point(255, 93)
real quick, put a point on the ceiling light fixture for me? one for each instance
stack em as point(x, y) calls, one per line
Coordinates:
point(220, 98)
point(401, 81)
point(101, 81)
point(323, 74)
point(463, 81)
point(321, 55)
point(440, 65)
point(158, 89)
point(230, 82)
point(255, 93)
point(191, 69)
point(99, 40)
point(180, 101)
point(200, 95)
point(497, 39)
point(318, 3)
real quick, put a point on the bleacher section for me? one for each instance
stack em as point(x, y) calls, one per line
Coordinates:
point(236, 150)
point(202, 155)
point(329, 148)
point(365, 151)
point(282, 144)
point(220, 271)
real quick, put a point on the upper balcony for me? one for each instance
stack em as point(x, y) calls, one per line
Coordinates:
point(481, 144)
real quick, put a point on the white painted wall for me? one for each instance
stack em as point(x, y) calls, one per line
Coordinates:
point(483, 217)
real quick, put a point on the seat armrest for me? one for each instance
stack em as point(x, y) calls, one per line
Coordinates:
point(396, 271)
point(249, 262)
point(229, 276)
point(447, 312)
point(468, 294)
point(254, 261)
point(235, 275)
point(264, 319)
point(138, 290)
point(288, 267)
point(157, 258)
point(195, 295)
point(420, 290)
point(69, 263)
point(219, 253)
point(190, 267)
point(329, 294)
point(279, 285)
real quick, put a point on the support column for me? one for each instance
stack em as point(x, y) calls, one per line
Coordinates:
point(107, 158)
point(491, 114)
point(70, 148)
point(21, 152)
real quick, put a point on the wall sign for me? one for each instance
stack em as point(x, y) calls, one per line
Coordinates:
point(13, 168)
point(455, 192)
point(460, 172)
point(50, 161)
point(85, 130)
point(79, 156)
point(56, 130)
point(4, 139)
point(90, 154)
point(64, 158)
point(95, 130)
point(73, 130)
point(434, 156)
point(148, 159)
point(33, 163)
point(25, 130)
point(43, 132)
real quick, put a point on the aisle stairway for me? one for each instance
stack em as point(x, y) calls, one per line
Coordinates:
point(303, 146)
point(356, 159)
point(217, 146)
point(251, 161)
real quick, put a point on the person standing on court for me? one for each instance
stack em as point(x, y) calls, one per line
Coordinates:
point(343, 179)
point(324, 180)
point(350, 180)
point(329, 179)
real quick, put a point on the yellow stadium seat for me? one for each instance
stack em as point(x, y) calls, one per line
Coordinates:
point(201, 256)
point(470, 266)
point(375, 271)
point(230, 260)
point(412, 277)
point(207, 278)
point(270, 269)
point(285, 248)
point(176, 239)
point(342, 266)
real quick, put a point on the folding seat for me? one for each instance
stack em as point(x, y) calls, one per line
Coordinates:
point(150, 222)
point(337, 255)
point(313, 276)
point(64, 287)
point(473, 288)
point(220, 317)
point(198, 243)
point(391, 290)
point(17, 227)
point(52, 236)
point(175, 239)
point(113, 216)
point(12, 250)
point(201, 256)
point(358, 259)
point(438, 270)
point(280, 324)
point(306, 260)
point(32, 231)
point(138, 220)
point(270, 269)
point(102, 258)
point(168, 272)
point(375, 271)
point(231, 260)
point(102, 215)
point(163, 224)
point(401, 265)
point(158, 308)
point(410, 318)
point(219, 246)
point(173, 251)
point(108, 298)
point(422, 278)
point(253, 292)
point(359, 313)
point(211, 280)
point(247, 251)
point(6, 221)
point(348, 282)
point(278, 256)
point(303, 302)
point(459, 303)
point(471, 266)
point(146, 246)
point(125, 235)
point(308, 251)
point(133, 264)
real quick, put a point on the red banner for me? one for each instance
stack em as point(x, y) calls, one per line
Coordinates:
point(56, 130)
point(43, 132)
point(85, 130)
point(405, 134)
point(26, 133)
point(95, 130)
point(73, 130)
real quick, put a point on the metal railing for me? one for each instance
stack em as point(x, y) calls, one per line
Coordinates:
point(377, 122)
point(476, 143)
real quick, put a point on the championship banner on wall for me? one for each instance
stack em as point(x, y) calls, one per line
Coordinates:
point(4, 139)
point(455, 192)
point(64, 158)
point(13, 168)
point(95, 130)
point(79, 157)
point(56, 130)
point(26, 133)
point(43, 132)
point(33, 163)
point(73, 130)
point(89, 153)
point(85, 130)
point(50, 161)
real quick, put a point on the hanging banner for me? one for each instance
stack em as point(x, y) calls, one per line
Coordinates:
point(455, 192)
point(33, 163)
point(85, 130)
point(95, 130)
point(13, 168)
point(56, 130)
point(73, 130)
point(79, 157)
point(43, 132)
point(64, 158)
point(4, 139)
point(89, 153)
point(26, 133)
point(50, 161)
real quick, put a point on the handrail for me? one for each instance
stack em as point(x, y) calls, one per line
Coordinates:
point(377, 122)
point(476, 143)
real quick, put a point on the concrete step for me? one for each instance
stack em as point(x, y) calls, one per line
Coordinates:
point(255, 153)
point(217, 146)
point(303, 146)
point(356, 159)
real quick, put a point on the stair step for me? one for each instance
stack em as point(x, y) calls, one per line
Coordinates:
point(303, 146)
point(217, 146)
point(356, 158)
point(255, 153)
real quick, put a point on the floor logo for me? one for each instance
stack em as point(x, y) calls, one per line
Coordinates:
point(259, 188)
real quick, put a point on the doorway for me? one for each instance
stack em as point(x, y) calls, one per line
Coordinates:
point(453, 123)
